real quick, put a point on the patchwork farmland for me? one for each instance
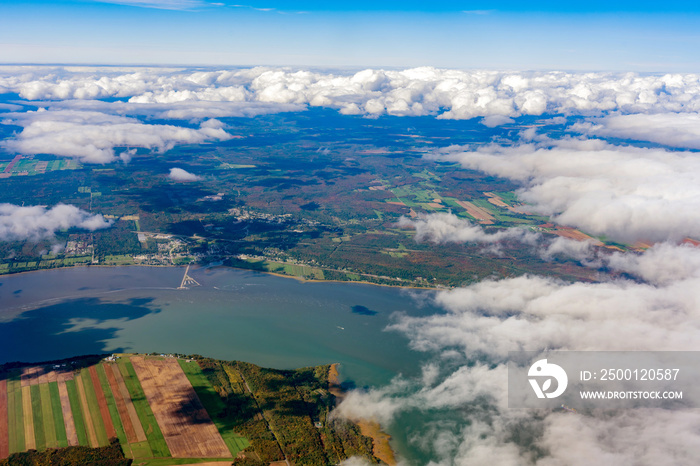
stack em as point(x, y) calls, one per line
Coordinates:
point(146, 402)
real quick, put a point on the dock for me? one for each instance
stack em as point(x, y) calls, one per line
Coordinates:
point(187, 281)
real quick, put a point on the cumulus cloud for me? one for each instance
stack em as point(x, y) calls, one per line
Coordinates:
point(178, 174)
point(450, 94)
point(624, 192)
point(93, 136)
point(442, 228)
point(680, 130)
point(37, 222)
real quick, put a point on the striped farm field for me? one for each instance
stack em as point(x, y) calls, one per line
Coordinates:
point(156, 441)
point(59, 424)
point(47, 416)
point(68, 421)
point(214, 406)
point(94, 408)
point(149, 404)
point(87, 416)
point(111, 404)
point(77, 413)
point(186, 425)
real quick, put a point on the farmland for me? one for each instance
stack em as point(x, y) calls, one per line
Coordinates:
point(282, 196)
point(166, 410)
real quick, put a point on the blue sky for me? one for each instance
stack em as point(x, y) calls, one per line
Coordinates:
point(593, 35)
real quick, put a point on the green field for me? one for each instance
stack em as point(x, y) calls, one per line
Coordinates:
point(121, 259)
point(38, 418)
point(47, 412)
point(59, 424)
point(15, 415)
point(214, 405)
point(77, 412)
point(94, 408)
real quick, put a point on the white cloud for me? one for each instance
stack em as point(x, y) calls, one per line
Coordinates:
point(355, 461)
point(450, 94)
point(92, 136)
point(448, 228)
point(564, 247)
point(662, 264)
point(463, 400)
point(38, 222)
point(178, 174)
point(624, 192)
point(680, 130)
point(159, 4)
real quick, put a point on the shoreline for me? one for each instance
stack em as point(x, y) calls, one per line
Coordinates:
point(299, 279)
point(381, 448)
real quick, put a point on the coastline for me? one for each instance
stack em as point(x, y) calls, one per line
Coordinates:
point(381, 448)
point(299, 279)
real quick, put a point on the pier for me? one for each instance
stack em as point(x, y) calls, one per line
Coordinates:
point(187, 281)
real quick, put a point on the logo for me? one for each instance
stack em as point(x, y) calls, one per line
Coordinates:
point(542, 369)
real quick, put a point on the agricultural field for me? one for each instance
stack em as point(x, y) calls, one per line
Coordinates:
point(307, 200)
point(29, 166)
point(165, 410)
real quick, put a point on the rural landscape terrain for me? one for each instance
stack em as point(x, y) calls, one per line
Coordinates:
point(504, 214)
point(167, 410)
point(314, 195)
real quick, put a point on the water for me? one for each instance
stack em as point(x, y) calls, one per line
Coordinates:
point(234, 314)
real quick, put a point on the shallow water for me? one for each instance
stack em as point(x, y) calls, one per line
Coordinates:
point(234, 314)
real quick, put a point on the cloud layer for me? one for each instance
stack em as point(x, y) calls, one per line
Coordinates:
point(419, 91)
point(680, 130)
point(37, 222)
point(138, 94)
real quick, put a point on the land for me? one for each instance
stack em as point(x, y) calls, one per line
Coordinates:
point(174, 409)
point(316, 196)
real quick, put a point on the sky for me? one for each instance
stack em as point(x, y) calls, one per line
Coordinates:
point(595, 36)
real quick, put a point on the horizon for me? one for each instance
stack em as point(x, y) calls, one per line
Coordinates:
point(598, 36)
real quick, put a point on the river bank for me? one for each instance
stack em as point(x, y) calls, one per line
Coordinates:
point(381, 446)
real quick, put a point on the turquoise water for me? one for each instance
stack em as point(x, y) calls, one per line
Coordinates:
point(234, 314)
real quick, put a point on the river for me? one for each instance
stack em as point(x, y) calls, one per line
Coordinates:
point(233, 314)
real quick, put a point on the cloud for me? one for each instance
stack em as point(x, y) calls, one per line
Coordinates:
point(564, 247)
point(178, 174)
point(442, 228)
point(680, 130)
point(626, 193)
point(355, 461)
point(461, 396)
point(92, 136)
point(662, 264)
point(449, 94)
point(37, 222)
point(159, 4)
